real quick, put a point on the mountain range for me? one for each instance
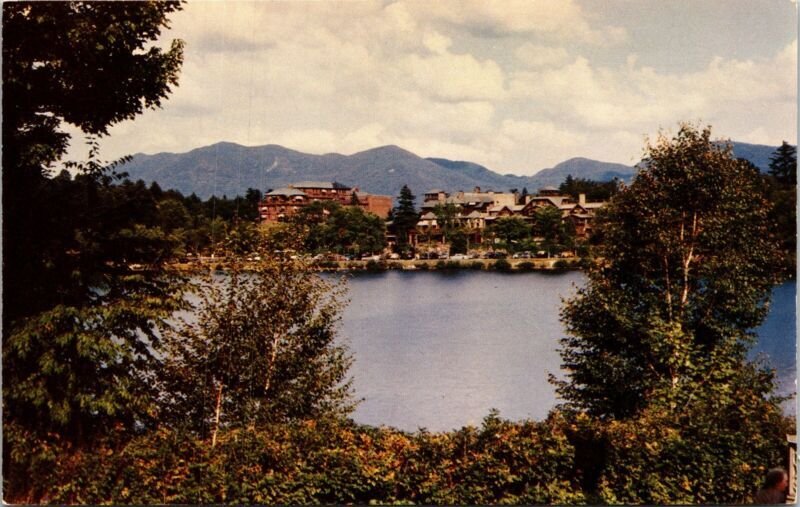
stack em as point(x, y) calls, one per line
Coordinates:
point(229, 169)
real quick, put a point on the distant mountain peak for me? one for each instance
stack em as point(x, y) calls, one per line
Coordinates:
point(388, 149)
point(230, 168)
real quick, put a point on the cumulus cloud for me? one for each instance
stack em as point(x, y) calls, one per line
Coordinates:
point(516, 86)
point(449, 76)
point(554, 19)
point(537, 55)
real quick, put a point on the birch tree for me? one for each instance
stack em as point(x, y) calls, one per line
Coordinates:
point(689, 260)
point(261, 347)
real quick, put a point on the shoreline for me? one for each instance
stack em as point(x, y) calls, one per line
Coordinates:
point(502, 265)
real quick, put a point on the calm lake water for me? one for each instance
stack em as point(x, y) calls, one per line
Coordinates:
point(439, 350)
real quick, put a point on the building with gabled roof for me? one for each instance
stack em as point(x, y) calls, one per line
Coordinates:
point(281, 204)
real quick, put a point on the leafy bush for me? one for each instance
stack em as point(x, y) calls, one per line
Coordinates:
point(453, 265)
point(441, 265)
point(477, 265)
point(526, 266)
point(421, 265)
point(327, 461)
point(502, 265)
point(373, 265)
point(561, 264)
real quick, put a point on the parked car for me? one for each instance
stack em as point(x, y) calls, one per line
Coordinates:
point(394, 256)
point(458, 257)
point(368, 257)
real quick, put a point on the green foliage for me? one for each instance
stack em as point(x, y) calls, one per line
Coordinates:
point(446, 218)
point(547, 224)
point(781, 189)
point(593, 190)
point(335, 228)
point(677, 290)
point(373, 265)
point(327, 461)
point(526, 266)
point(783, 164)
point(510, 230)
point(260, 349)
point(656, 352)
point(458, 241)
point(404, 217)
point(501, 265)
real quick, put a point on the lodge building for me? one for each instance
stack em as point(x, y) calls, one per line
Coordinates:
point(281, 204)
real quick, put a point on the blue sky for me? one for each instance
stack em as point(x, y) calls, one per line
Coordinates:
point(517, 85)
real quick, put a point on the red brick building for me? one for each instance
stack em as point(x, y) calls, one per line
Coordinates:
point(281, 204)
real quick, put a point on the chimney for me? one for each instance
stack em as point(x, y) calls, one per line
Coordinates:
point(477, 190)
point(582, 199)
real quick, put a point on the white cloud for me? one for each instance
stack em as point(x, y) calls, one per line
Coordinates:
point(555, 19)
point(536, 55)
point(516, 86)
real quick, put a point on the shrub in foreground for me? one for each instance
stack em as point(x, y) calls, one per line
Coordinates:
point(327, 462)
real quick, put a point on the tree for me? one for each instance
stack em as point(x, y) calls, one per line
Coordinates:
point(83, 63)
point(405, 216)
point(547, 223)
point(261, 349)
point(593, 190)
point(659, 335)
point(783, 164)
point(252, 199)
point(446, 218)
point(509, 230)
point(79, 321)
point(459, 241)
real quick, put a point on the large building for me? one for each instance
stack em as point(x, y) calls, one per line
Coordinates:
point(281, 204)
point(476, 210)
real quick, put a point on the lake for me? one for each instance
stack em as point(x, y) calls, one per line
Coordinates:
point(438, 350)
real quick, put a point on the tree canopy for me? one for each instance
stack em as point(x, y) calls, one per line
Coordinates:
point(260, 349)
point(83, 63)
point(678, 293)
point(79, 321)
point(404, 216)
point(783, 164)
point(658, 338)
point(594, 190)
point(90, 64)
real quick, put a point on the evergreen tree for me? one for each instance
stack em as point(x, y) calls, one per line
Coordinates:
point(405, 216)
point(783, 164)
